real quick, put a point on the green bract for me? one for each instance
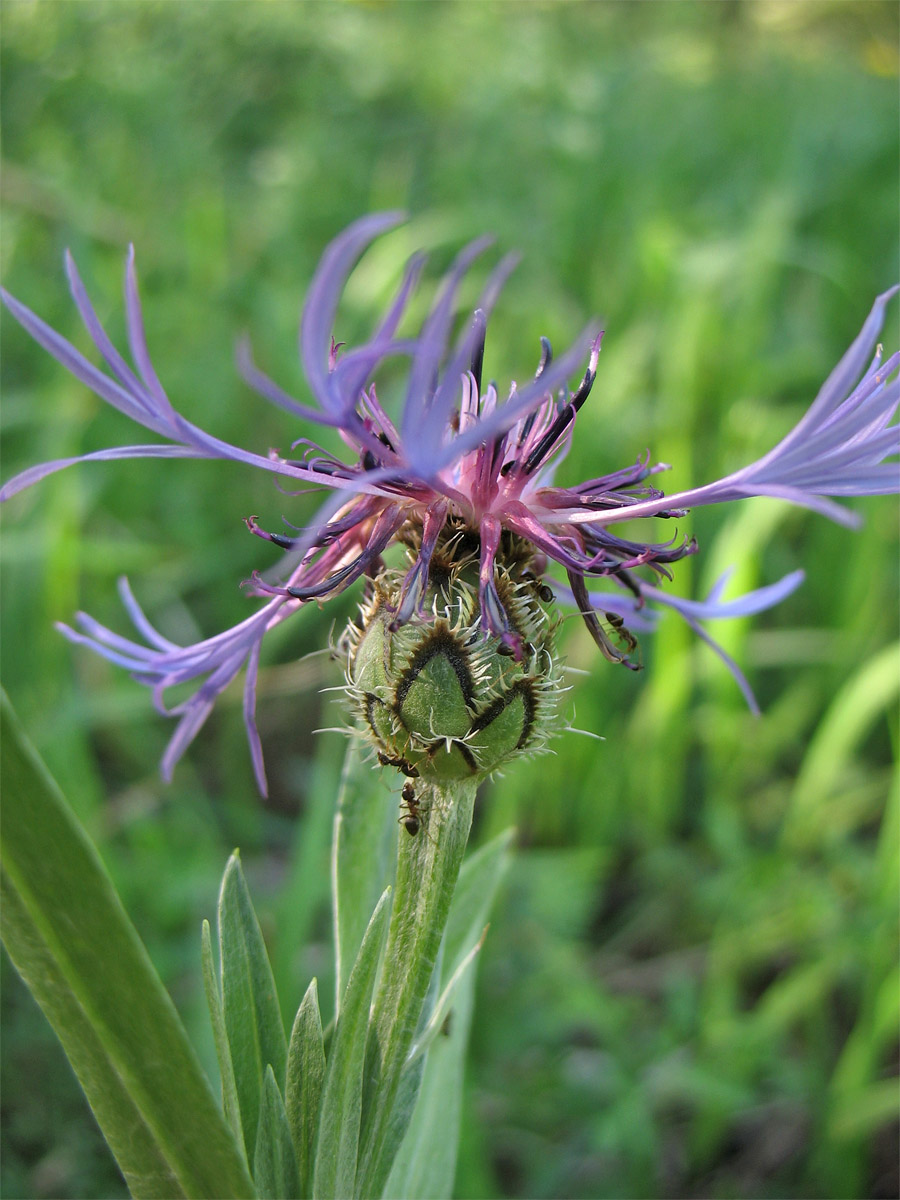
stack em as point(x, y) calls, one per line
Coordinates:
point(437, 697)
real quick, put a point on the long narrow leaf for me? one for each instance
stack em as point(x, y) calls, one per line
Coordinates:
point(71, 940)
point(479, 878)
point(274, 1163)
point(425, 1166)
point(338, 1143)
point(252, 1016)
point(217, 1019)
point(364, 849)
point(442, 1011)
point(303, 1087)
point(143, 1163)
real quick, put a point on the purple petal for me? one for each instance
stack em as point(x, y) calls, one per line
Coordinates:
point(139, 619)
point(317, 322)
point(33, 474)
point(137, 340)
point(78, 365)
point(447, 395)
point(99, 337)
point(521, 402)
point(851, 365)
point(432, 344)
point(736, 672)
point(256, 753)
point(712, 608)
point(261, 383)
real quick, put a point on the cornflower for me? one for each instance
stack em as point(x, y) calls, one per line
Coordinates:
point(461, 478)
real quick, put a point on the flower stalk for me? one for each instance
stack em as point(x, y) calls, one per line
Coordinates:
point(428, 865)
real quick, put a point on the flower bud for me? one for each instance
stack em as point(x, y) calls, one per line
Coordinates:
point(439, 698)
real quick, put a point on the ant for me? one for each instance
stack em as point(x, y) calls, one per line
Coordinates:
point(538, 586)
point(623, 636)
point(402, 764)
point(410, 820)
point(411, 812)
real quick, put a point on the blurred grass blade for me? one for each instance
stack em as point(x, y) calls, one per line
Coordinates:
point(858, 704)
point(274, 1164)
point(217, 1019)
point(303, 1087)
point(73, 944)
point(250, 1006)
point(339, 1123)
point(364, 849)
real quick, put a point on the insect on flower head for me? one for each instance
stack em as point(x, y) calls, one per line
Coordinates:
point(463, 479)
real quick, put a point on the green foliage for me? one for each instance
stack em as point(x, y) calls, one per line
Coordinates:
point(303, 1115)
point(426, 1162)
point(349, 1114)
point(250, 1011)
point(70, 939)
point(677, 996)
point(274, 1164)
point(303, 1087)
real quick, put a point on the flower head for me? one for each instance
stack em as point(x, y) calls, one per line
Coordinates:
point(459, 471)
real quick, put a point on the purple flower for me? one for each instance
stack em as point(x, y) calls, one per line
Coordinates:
point(460, 457)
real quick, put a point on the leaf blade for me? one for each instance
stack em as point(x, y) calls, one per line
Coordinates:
point(220, 1037)
point(337, 1150)
point(145, 1169)
point(363, 854)
point(274, 1163)
point(303, 1084)
point(68, 924)
point(249, 1001)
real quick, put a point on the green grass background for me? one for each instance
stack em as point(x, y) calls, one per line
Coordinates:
point(690, 984)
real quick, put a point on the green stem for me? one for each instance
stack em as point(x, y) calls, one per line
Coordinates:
point(427, 869)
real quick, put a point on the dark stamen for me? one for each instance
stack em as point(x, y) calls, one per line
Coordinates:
point(562, 422)
point(546, 358)
point(277, 539)
point(478, 358)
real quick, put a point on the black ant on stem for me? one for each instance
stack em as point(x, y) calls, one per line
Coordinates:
point(410, 809)
point(402, 765)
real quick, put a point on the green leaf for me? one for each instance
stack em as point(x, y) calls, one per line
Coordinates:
point(338, 1142)
point(217, 1019)
point(70, 939)
point(250, 1005)
point(364, 851)
point(442, 1010)
point(425, 1165)
point(479, 878)
point(274, 1164)
point(303, 1087)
